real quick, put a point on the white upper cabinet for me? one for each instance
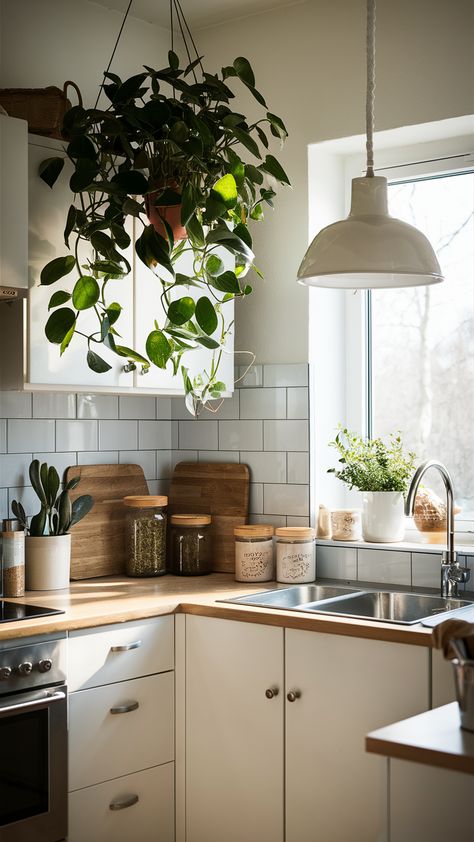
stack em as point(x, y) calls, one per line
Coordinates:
point(13, 203)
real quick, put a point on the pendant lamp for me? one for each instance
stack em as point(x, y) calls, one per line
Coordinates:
point(370, 249)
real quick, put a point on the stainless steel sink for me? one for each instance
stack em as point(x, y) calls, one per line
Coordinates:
point(387, 606)
point(380, 606)
point(292, 598)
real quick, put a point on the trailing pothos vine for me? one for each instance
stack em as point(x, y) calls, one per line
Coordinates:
point(169, 153)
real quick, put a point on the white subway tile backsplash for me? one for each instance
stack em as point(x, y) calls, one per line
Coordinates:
point(240, 435)
point(54, 405)
point(283, 499)
point(285, 375)
point(27, 435)
point(27, 497)
point(390, 566)
point(199, 435)
point(292, 520)
point(133, 407)
point(164, 464)
point(154, 435)
point(225, 408)
point(218, 456)
point(263, 403)
point(256, 498)
point(145, 458)
point(97, 406)
point(248, 378)
point(118, 435)
point(265, 467)
point(76, 435)
point(159, 486)
point(286, 435)
point(163, 408)
point(15, 405)
point(298, 467)
point(14, 469)
point(297, 402)
point(4, 510)
point(274, 520)
point(61, 461)
point(179, 411)
point(104, 457)
point(425, 570)
point(336, 562)
point(3, 436)
point(183, 456)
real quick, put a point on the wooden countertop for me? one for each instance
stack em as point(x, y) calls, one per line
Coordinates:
point(434, 738)
point(114, 599)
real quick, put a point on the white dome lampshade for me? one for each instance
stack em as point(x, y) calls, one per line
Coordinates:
point(370, 249)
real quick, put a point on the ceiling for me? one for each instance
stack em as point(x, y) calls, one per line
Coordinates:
point(199, 13)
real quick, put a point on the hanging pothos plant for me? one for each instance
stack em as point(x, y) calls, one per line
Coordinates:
point(173, 161)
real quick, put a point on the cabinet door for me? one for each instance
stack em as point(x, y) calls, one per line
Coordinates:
point(13, 202)
point(234, 733)
point(46, 220)
point(335, 791)
point(148, 307)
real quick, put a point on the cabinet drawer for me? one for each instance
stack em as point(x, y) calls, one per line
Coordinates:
point(104, 745)
point(149, 819)
point(127, 650)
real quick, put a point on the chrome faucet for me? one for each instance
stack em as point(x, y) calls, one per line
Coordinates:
point(451, 572)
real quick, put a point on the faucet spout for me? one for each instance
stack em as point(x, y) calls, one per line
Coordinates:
point(451, 572)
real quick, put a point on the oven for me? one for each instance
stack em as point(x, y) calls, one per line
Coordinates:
point(33, 741)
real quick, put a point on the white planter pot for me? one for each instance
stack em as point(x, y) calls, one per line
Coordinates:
point(383, 516)
point(48, 562)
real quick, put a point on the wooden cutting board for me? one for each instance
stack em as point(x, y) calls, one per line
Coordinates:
point(220, 489)
point(98, 546)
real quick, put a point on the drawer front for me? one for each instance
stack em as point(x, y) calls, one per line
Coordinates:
point(148, 819)
point(119, 652)
point(139, 734)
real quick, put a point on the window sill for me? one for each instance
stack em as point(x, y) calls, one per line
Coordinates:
point(464, 545)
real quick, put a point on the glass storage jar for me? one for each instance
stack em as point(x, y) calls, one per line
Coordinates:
point(145, 535)
point(295, 554)
point(190, 538)
point(12, 554)
point(254, 553)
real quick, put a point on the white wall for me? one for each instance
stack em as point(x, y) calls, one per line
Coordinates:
point(309, 61)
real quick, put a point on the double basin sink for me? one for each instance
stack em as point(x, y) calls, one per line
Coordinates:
point(378, 605)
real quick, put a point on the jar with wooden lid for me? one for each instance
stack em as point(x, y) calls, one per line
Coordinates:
point(254, 560)
point(295, 554)
point(145, 535)
point(12, 553)
point(190, 539)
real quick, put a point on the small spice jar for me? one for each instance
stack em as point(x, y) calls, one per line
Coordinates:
point(145, 535)
point(295, 554)
point(254, 553)
point(13, 558)
point(190, 538)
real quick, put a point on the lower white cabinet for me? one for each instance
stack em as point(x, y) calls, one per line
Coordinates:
point(121, 733)
point(275, 731)
point(136, 807)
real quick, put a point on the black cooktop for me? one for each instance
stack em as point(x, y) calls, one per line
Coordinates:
point(11, 611)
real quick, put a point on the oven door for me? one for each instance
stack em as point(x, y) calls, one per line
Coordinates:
point(33, 766)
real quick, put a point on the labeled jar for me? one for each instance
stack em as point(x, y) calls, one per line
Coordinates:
point(13, 559)
point(295, 554)
point(254, 561)
point(190, 539)
point(145, 535)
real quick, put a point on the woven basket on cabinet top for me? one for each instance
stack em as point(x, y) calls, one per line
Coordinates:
point(42, 108)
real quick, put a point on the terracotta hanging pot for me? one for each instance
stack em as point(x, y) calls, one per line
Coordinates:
point(171, 213)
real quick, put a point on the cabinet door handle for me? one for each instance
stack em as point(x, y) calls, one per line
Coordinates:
point(271, 692)
point(123, 803)
point(293, 695)
point(126, 708)
point(125, 647)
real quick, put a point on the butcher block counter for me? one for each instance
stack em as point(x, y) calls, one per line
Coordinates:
point(113, 599)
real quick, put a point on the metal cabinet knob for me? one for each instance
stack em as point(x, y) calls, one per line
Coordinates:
point(5, 672)
point(45, 665)
point(271, 692)
point(123, 803)
point(293, 695)
point(24, 668)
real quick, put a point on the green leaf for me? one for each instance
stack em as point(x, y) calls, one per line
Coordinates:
point(275, 169)
point(96, 363)
point(195, 230)
point(132, 208)
point(58, 298)
point(189, 199)
point(258, 96)
point(243, 232)
point(56, 269)
point(173, 60)
point(85, 172)
point(70, 223)
point(82, 147)
point(59, 324)
point(229, 240)
point(253, 174)
point(53, 485)
point(132, 181)
point(158, 348)
point(80, 508)
point(130, 354)
point(113, 312)
point(67, 339)
point(214, 265)
point(86, 293)
point(257, 212)
point(206, 315)
point(244, 71)
point(262, 137)
point(236, 167)
point(244, 138)
point(181, 310)
point(102, 243)
point(225, 190)
point(50, 169)
point(227, 282)
point(108, 267)
point(120, 235)
point(212, 344)
point(35, 479)
point(277, 126)
point(152, 249)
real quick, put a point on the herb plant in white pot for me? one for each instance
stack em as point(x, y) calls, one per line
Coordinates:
point(48, 541)
point(381, 470)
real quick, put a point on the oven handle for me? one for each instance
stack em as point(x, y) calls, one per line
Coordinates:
point(43, 698)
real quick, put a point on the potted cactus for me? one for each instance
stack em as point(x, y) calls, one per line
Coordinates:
point(48, 541)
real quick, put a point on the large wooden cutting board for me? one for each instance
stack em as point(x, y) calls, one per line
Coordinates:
point(220, 489)
point(98, 546)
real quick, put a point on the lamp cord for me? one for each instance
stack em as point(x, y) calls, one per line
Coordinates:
point(370, 94)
